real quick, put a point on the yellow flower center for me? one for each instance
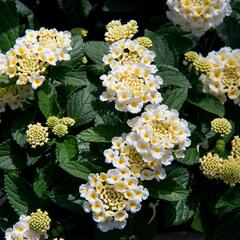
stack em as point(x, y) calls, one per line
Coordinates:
point(136, 162)
point(113, 201)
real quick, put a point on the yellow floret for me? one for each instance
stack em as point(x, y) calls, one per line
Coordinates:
point(60, 130)
point(52, 121)
point(37, 135)
point(39, 221)
point(211, 165)
point(231, 171)
point(145, 42)
point(221, 126)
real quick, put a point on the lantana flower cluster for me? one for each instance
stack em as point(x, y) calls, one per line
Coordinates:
point(198, 16)
point(157, 136)
point(223, 80)
point(38, 135)
point(228, 170)
point(33, 53)
point(13, 96)
point(132, 80)
point(110, 196)
point(32, 227)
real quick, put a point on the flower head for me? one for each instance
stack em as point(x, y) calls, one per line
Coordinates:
point(52, 121)
point(191, 56)
point(235, 151)
point(126, 157)
point(230, 173)
point(33, 53)
point(221, 126)
point(37, 135)
point(109, 196)
point(198, 16)
point(60, 130)
point(159, 134)
point(145, 42)
point(69, 122)
point(131, 82)
point(39, 221)
point(211, 165)
point(222, 80)
point(117, 31)
point(22, 229)
point(13, 96)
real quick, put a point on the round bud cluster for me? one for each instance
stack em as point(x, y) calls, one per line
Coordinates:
point(60, 126)
point(145, 42)
point(221, 126)
point(211, 165)
point(230, 173)
point(37, 135)
point(235, 152)
point(117, 31)
point(39, 221)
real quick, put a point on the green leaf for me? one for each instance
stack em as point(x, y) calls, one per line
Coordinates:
point(163, 54)
point(229, 201)
point(95, 50)
point(20, 194)
point(9, 28)
point(11, 156)
point(19, 127)
point(176, 98)
point(172, 77)
point(229, 30)
point(68, 76)
point(208, 103)
point(47, 100)
point(191, 156)
point(179, 212)
point(76, 53)
point(226, 228)
point(100, 133)
point(197, 223)
point(67, 155)
point(80, 107)
point(168, 190)
point(67, 196)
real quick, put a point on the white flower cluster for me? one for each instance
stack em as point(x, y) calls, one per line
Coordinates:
point(123, 155)
point(110, 196)
point(21, 230)
point(223, 80)
point(13, 96)
point(198, 16)
point(159, 134)
point(33, 53)
point(131, 82)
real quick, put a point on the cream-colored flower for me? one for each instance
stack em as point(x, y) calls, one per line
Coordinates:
point(110, 197)
point(198, 16)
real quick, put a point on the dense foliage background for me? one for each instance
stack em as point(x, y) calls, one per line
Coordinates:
point(49, 178)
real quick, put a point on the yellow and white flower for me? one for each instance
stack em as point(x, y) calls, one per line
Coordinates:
point(132, 80)
point(13, 96)
point(198, 16)
point(33, 53)
point(22, 229)
point(109, 196)
point(223, 80)
point(139, 164)
point(159, 135)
